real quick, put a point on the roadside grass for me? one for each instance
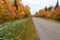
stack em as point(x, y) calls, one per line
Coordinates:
point(18, 30)
point(30, 32)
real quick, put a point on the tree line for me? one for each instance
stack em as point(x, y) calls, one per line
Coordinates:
point(51, 12)
point(13, 9)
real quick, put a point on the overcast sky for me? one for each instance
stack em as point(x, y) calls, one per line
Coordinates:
point(36, 5)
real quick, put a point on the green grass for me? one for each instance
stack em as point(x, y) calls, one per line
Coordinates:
point(19, 30)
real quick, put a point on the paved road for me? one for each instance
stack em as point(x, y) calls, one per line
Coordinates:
point(47, 30)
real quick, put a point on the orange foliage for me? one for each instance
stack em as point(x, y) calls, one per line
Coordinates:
point(13, 8)
point(52, 13)
point(58, 9)
point(9, 12)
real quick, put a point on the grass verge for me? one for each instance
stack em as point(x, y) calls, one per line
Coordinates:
point(18, 30)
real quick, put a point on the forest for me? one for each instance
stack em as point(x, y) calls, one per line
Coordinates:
point(12, 10)
point(52, 12)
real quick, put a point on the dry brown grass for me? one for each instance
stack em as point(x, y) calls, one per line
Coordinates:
point(28, 32)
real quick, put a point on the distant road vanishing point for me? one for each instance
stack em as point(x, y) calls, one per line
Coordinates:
point(47, 30)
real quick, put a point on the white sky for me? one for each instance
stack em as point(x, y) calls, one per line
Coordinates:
point(36, 5)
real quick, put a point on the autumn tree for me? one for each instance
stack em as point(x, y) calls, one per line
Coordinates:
point(37, 14)
point(27, 11)
point(2, 9)
point(51, 12)
point(13, 9)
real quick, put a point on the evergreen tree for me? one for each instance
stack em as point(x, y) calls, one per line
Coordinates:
point(57, 4)
point(15, 4)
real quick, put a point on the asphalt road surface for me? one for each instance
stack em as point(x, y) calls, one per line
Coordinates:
point(47, 30)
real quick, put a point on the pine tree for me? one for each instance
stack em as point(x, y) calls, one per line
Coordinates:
point(15, 4)
point(57, 4)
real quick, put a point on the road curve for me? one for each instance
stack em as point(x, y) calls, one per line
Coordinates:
point(47, 30)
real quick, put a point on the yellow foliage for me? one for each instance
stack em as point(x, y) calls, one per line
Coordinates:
point(52, 13)
point(27, 10)
point(10, 12)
